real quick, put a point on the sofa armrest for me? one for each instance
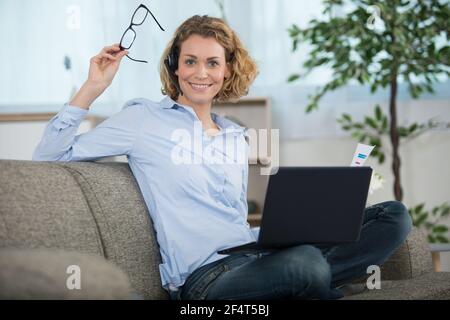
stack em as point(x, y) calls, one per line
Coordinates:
point(412, 259)
point(46, 274)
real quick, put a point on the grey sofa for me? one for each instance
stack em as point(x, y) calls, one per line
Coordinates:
point(92, 215)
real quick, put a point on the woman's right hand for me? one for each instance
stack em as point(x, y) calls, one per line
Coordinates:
point(102, 70)
point(104, 66)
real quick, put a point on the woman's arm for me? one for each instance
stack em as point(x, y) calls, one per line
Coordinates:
point(114, 136)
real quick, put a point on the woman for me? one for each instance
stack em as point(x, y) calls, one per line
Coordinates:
point(199, 206)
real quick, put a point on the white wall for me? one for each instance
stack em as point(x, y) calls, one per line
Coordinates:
point(19, 139)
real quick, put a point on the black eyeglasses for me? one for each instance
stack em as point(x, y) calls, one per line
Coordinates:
point(138, 18)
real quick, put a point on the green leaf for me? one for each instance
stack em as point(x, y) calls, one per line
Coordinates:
point(373, 88)
point(374, 141)
point(347, 117)
point(413, 127)
point(363, 138)
point(441, 239)
point(385, 124)
point(418, 209)
point(378, 113)
point(375, 153)
point(311, 106)
point(445, 210)
point(440, 229)
point(293, 77)
point(434, 211)
point(381, 158)
point(371, 122)
point(402, 132)
point(421, 219)
point(431, 239)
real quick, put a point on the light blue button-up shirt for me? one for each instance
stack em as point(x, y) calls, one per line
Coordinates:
point(194, 184)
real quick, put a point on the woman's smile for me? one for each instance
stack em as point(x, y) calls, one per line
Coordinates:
point(200, 87)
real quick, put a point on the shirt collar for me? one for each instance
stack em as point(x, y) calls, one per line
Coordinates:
point(222, 122)
point(167, 103)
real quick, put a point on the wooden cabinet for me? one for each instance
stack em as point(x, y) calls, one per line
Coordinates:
point(254, 114)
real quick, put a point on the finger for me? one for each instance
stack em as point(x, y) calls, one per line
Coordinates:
point(100, 58)
point(110, 49)
point(108, 56)
point(96, 59)
point(116, 46)
point(122, 54)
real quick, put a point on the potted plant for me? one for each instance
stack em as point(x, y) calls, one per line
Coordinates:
point(379, 43)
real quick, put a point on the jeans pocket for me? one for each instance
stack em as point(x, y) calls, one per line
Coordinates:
point(198, 289)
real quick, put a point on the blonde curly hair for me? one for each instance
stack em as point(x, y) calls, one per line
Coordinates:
point(243, 70)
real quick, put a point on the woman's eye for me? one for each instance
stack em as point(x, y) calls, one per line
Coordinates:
point(210, 63)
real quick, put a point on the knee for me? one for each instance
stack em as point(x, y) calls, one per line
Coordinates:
point(309, 272)
point(399, 214)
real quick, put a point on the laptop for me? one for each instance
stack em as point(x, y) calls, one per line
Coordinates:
point(311, 205)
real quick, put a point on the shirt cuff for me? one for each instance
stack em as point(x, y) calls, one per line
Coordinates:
point(69, 116)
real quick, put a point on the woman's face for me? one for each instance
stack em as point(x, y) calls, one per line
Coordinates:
point(201, 70)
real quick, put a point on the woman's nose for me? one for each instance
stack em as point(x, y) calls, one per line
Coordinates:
point(202, 72)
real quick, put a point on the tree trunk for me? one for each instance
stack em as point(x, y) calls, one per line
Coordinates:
point(395, 139)
point(398, 192)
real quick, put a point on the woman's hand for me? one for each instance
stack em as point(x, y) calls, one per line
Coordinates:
point(102, 69)
point(104, 66)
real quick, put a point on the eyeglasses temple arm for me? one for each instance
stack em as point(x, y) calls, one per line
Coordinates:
point(136, 59)
point(155, 20)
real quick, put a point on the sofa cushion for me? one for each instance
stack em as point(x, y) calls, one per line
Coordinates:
point(432, 286)
point(42, 205)
point(51, 274)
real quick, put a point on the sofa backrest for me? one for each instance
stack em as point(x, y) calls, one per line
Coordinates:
point(86, 207)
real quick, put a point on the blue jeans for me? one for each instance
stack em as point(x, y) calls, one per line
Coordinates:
point(303, 271)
